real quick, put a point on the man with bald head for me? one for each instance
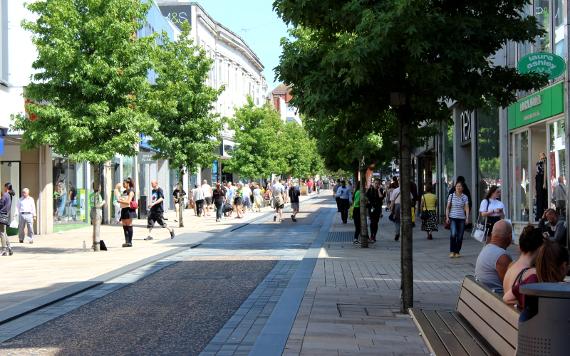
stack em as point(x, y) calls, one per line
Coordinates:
point(156, 210)
point(494, 260)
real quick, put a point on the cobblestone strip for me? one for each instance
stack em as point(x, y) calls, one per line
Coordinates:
point(27, 322)
point(239, 333)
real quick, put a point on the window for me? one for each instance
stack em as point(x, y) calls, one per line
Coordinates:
point(488, 147)
point(3, 41)
point(522, 177)
point(559, 20)
point(556, 157)
point(542, 13)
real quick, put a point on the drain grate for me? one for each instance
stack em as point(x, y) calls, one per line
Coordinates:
point(340, 236)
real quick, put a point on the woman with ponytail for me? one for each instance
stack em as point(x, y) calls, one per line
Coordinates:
point(5, 209)
point(128, 210)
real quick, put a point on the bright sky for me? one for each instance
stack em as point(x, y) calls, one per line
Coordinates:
point(255, 22)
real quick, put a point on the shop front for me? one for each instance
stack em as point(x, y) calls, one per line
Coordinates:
point(70, 192)
point(539, 169)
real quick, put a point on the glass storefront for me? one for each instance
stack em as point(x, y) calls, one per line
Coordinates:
point(10, 172)
point(556, 161)
point(542, 14)
point(521, 187)
point(448, 162)
point(69, 191)
point(488, 150)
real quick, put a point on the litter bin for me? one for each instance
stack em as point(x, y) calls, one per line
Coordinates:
point(547, 332)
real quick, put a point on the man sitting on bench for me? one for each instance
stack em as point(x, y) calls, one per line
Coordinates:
point(494, 260)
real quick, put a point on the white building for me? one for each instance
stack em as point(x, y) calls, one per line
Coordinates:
point(236, 67)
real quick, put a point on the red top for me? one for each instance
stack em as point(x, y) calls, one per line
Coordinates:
point(516, 289)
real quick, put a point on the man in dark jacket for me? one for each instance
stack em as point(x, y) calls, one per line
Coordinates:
point(375, 197)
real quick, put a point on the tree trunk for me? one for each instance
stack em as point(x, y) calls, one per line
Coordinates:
point(363, 210)
point(406, 231)
point(180, 197)
point(96, 213)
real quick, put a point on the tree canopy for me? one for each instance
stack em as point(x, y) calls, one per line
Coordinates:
point(187, 128)
point(91, 72)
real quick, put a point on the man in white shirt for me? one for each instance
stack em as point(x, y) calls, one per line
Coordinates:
point(344, 196)
point(26, 210)
point(207, 190)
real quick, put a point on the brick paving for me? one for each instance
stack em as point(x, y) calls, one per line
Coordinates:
point(352, 304)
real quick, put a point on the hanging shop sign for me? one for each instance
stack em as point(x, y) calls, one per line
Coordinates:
point(536, 107)
point(542, 62)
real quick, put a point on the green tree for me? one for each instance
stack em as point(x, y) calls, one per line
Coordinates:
point(91, 71)
point(300, 152)
point(187, 129)
point(259, 138)
point(405, 56)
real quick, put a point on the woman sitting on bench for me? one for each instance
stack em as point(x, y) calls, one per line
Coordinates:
point(529, 242)
point(551, 265)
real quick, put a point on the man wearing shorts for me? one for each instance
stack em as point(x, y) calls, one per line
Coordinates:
point(278, 190)
point(294, 193)
point(156, 210)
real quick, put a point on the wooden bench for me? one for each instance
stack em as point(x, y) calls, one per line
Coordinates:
point(482, 324)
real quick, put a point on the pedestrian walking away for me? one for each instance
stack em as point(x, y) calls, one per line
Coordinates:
point(26, 211)
point(356, 213)
point(116, 205)
point(294, 194)
point(337, 199)
point(219, 196)
point(128, 210)
point(5, 210)
point(178, 194)
point(207, 190)
point(375, 197)
point(278, 191)
point(257, 198)
point(156, 210)
point(428, 208)
point(457, 216)
point(491, 209)
point(198, 195)
point(343, 195)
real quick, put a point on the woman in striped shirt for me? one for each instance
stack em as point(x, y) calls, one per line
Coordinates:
point(457, 215)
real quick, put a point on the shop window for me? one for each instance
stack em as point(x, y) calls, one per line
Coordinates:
point(559, 21)
point(522, 177)
point(488, 150)
point(557, 163)
point(542, 14)
point(10, 173)
point(69, 191)
point(448, 149)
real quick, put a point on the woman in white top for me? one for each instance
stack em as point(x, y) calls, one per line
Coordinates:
point(492, 208)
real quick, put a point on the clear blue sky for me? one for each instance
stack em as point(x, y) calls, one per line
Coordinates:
point(257, 23)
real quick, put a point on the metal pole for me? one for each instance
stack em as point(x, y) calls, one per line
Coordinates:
point(566, 110)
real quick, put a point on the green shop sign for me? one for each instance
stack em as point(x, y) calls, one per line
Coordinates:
point(542, 62)
point(536, 107)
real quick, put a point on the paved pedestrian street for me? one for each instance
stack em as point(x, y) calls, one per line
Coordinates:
point(250, 287)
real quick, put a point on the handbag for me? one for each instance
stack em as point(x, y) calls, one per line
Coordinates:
point(134, 205)
point(4, 219)
point(424, 214)
point(480, 229)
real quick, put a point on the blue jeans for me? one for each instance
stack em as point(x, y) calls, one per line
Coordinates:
point(456, 238)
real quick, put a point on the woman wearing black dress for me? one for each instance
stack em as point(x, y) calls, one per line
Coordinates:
point(127, 212)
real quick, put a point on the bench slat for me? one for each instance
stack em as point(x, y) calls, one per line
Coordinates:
point(464, 335)
point(510, 314)
point(429, 334)
point(445, 334)
point(490, 316)
point(481, 326)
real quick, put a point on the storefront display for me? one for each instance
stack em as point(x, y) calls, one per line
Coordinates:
point(69, 189)
point(537, 130)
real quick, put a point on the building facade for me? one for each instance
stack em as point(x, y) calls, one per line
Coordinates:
point(522, 148)
point(236, 67)
point(281, 99)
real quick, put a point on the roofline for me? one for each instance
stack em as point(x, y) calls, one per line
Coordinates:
point(244, 47)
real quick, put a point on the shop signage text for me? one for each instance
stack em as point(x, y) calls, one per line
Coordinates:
point(542, 62)
point(465, 127)
point(178, 14)
point(546, 103)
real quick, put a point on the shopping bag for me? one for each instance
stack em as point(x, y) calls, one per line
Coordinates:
point(14, 223)
point(479, 230)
